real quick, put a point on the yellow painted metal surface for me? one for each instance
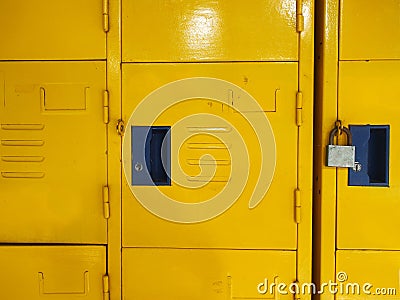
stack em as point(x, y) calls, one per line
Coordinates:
point(204, 274)
point(53, 152)
point(375, 274)
point(44, 30)
point(224, 231)
point(209, 30)
point(62, 158)
point(254, 49)
point(368, 94)
point(52, 272)
point(368, 31)
point(356, 82)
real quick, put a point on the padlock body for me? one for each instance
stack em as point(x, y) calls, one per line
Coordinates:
point(340, 156)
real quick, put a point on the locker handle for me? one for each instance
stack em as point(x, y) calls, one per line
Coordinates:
point(42, 290)
point(372, 155)
point(157, 154)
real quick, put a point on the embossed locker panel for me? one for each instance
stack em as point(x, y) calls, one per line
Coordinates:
point(369, 94)
point(44, 30)
point(207, 157)
point(52, 272)
point(209, 31)
point(53, 152)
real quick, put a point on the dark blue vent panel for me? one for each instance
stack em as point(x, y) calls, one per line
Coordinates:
point(151, 155)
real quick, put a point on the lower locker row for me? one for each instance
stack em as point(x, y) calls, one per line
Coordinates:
point(78, 272)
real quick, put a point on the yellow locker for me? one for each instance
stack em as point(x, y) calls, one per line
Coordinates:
point(52, 30)
point(52, 272)
point(216, 129)
point(53, 152)
point(356, 208)
point(53, 149)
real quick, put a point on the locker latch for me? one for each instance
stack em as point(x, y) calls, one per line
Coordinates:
point(121, 127)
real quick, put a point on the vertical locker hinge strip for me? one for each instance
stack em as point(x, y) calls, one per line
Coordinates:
point(106, 20)
point(299, 108)
point(106, 107)
point(106, 287)
point(106, 202)
point(299, 16)
point(297, 206)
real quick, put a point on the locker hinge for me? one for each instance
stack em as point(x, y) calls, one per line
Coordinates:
point(297, 206)
point(106, 107)
point(106, 202)
point(106, 287)
point(106, 21)
point(299, 16)
point(299, 108)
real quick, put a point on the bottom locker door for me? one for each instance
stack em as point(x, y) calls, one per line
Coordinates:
point(52, 272)
point(199, 274)
point(367, 274)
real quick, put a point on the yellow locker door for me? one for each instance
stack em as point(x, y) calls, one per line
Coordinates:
point(52, 272)
point(203, 155)
point(51, 30)
point(368, 274)
point(212, 274)
point(368, 216)
point(368, 30)
point(53, 152)
point(208, 173)
point(209, 31)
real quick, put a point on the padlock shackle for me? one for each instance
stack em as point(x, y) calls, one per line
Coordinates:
point(346, 130)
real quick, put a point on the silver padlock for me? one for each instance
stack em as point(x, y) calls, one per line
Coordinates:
point(340, 156)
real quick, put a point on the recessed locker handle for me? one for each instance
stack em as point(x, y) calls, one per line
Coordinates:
point(158, 154)
point(372, 155)
point(378, 155)
point(43, 291)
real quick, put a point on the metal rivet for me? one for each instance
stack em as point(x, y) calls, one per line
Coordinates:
point(138, 167)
